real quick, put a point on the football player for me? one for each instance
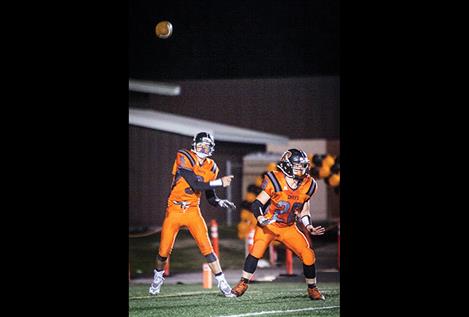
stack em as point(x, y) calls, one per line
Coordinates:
point(193, 172)
point(289, 192)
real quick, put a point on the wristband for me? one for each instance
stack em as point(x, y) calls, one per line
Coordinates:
point(306, 220)
point(216, 182)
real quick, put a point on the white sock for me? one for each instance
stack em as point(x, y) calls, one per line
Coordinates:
point(158, 274)
point(220, 277)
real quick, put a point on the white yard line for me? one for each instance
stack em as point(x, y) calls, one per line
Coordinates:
point(280, 311)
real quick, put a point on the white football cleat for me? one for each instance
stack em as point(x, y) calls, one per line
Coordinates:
point(225, 288)
point(157, 282)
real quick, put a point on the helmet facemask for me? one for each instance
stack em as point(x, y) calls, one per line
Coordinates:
point(299, 169)
point(203, 145)
point(294, 164)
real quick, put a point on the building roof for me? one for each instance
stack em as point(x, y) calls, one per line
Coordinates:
point(189, 126)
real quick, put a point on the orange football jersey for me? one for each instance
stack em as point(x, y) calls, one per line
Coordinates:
point(286, 202)
point(180, 189)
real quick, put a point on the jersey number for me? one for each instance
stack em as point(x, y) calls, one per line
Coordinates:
point(284, 207)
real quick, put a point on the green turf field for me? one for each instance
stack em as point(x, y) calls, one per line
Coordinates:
point(269, 299)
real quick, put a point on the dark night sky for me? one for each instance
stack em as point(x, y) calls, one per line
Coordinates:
point(235, 39)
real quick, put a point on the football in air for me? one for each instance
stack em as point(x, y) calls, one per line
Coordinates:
point(164, 29)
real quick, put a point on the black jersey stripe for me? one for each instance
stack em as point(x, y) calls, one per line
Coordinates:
point(312, 188)
point(189, 157)
point(214, 167)
point(274, 181)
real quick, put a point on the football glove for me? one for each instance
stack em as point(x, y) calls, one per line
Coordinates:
point(225, 203)
point(263, 221)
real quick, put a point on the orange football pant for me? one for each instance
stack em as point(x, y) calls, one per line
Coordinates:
point(176, 217)
point(290, 236)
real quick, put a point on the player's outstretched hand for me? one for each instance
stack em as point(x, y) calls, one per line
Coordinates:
point(315, 231)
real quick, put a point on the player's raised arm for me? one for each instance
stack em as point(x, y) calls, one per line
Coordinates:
point(198, 185)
